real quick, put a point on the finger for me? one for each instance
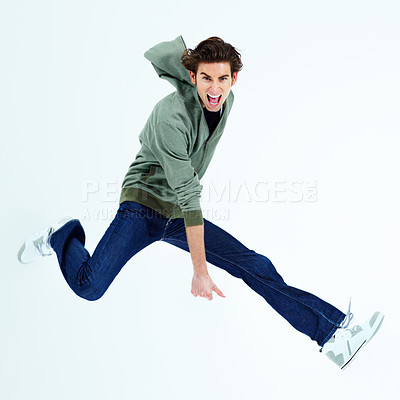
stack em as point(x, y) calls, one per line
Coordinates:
point(216, 290)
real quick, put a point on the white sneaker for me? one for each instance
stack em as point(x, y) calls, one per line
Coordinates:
point(344, 345)
point(38, 245)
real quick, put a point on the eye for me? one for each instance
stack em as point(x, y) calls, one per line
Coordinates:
point(206, 78)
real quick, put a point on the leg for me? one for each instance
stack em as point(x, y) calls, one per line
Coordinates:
point(304, 311)
point(134, 227)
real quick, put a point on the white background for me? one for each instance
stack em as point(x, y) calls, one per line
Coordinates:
point(318, 99)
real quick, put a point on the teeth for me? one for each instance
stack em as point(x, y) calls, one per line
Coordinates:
point(214, 97)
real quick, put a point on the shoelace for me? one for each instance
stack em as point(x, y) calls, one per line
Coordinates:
point(344, 324)
point(347, 319)
point(44, 247)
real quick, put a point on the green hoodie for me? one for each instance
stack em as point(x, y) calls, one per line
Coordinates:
point(175, 145)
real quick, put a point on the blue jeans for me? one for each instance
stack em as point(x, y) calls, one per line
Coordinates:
point(136, 226)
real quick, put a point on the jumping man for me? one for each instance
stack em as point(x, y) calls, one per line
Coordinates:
point(160, 200)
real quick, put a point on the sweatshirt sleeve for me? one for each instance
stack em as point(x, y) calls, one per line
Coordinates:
point(170, 148)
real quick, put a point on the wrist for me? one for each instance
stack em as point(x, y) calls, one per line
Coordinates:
point(200, 269)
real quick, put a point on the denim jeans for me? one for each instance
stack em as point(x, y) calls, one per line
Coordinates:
point(136, 226)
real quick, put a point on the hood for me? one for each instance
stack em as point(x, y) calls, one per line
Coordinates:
point(166, 60)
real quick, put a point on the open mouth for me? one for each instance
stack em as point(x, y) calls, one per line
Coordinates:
point(213, 101)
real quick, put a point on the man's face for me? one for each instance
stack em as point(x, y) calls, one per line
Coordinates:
point(214, 82)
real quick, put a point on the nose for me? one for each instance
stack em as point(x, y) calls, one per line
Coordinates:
point(214, 90)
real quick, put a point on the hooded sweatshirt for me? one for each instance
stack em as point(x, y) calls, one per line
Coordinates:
point(176, 147)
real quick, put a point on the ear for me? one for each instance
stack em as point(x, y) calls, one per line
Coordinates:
point(234, 78)
point(192, 77)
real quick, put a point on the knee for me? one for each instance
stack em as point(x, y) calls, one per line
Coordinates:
point(87, 286)
point(93, 296)
point(269, 270)
point(89, 292)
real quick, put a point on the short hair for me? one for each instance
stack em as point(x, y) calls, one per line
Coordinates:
point(213, 49)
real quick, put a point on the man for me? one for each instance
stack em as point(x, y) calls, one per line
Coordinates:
point(160, 200)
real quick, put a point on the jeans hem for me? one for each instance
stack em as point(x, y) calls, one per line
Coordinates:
point(57, 231)
point(333, 330)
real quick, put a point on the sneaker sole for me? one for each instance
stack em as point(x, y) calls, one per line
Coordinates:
point(354, 355)
point(19, 254)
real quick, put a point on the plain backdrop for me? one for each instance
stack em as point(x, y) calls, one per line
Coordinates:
point(317, 103)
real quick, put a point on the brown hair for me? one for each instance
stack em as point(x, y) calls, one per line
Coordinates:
point(213, 49)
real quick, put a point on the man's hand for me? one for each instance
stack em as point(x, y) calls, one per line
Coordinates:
point(202, 285)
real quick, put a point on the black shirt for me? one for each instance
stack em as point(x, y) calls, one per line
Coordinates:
point(212, 118)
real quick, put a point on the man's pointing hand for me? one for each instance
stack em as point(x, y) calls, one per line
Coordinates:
point(202, 285)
